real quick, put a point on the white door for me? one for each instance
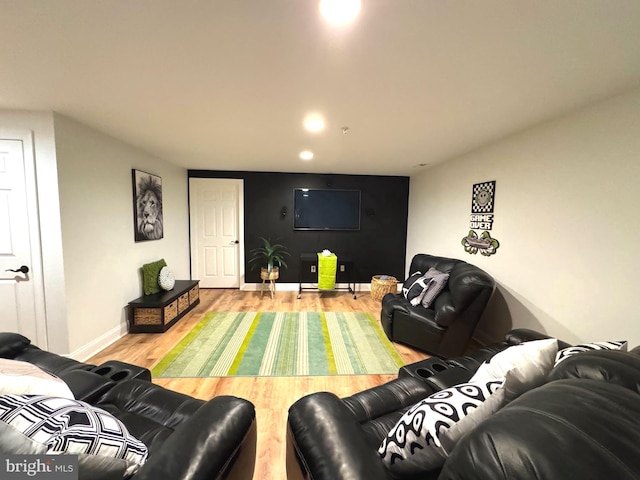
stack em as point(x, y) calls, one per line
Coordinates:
point(214, 209)
point(19, 291)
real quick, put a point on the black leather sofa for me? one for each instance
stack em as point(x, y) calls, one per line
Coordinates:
point(582, 422)
point(187, 438)
point(445, 328)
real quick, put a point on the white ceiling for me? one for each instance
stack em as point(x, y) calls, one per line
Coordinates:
point(225, 84)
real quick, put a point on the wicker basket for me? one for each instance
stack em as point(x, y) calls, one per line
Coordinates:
point(149, 316)
point(273, 275)
point(379, 288)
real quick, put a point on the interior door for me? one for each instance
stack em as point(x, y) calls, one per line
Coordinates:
point(216, 231)
point(18, 290)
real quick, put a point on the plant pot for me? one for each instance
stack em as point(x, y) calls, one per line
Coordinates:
point(265, 275)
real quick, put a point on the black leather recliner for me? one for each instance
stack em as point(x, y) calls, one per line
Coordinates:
point(583, 422)
point(187, 438)
point(445, 328)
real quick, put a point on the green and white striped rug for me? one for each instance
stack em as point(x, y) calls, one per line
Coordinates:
point(281, 344)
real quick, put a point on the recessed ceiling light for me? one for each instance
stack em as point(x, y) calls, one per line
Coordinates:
point(314, 122)
point(340, 12)
point(306, 155)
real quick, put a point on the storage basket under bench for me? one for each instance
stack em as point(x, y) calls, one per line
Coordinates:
point(158, 312)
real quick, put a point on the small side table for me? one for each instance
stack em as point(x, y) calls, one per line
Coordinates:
point(308, 273)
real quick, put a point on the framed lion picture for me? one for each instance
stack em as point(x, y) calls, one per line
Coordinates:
point(147, 206)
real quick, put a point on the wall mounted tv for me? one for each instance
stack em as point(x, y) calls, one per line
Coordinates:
point(324, 209)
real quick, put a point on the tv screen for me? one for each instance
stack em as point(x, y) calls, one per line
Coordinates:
point(322, 209)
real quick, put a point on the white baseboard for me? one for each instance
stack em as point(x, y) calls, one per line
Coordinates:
point(103, 341)
point(293, 287)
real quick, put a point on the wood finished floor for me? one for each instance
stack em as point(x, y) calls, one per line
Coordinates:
point(271, 396)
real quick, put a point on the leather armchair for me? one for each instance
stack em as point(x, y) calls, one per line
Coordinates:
point(445, 328)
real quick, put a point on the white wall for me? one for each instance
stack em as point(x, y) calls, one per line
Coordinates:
point(101, 259)
point(566, 207)
point(40, 125)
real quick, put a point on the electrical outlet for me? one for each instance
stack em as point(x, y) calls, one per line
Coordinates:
point(342, 268)
point(313, 269)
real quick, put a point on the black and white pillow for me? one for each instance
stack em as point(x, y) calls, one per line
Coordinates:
point(523, 367)
point(413, 288)
point(414, 445)
point(527, 364)
point(37, 424)
point(589, 347)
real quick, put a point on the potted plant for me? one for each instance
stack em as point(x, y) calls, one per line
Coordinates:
point(269, 254)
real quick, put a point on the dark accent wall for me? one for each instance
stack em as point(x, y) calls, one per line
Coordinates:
point(379, 247)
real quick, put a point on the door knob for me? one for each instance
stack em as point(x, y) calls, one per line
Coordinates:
point(234, 242)
point(22, 269)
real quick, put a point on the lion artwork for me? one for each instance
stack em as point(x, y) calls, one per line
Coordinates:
point(149, 209)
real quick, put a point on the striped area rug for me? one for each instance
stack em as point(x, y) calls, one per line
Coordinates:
point(281, 344)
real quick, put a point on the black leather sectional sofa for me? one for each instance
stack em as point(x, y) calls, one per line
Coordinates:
point(187, 438)
point(582, 422)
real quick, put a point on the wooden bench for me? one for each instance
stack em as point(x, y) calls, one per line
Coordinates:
point(158, 312)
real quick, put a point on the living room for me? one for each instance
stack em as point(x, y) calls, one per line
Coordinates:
point(564, 215)
point(565, 198)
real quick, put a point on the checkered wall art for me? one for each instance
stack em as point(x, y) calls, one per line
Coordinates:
point(483, 197)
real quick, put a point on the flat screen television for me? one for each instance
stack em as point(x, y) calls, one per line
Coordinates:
point(324, 209)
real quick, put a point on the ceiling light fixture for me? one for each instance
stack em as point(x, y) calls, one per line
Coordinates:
point(340, 12)
point(306, 155)
point(314, 122)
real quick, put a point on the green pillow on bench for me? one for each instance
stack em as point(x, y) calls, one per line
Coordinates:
point(150, 272)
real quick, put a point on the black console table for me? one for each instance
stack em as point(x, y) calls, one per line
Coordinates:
point(157, 312)
point(308, 273)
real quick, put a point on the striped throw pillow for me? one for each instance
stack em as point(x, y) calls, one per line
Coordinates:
point(436, 280)
point(588, 347)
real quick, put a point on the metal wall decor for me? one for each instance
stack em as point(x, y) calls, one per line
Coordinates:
point(482, 202)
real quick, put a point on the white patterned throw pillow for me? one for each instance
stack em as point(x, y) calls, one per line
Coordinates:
point(42, 425)
point(589, 347)
point(413, 445)
point(166, 279)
